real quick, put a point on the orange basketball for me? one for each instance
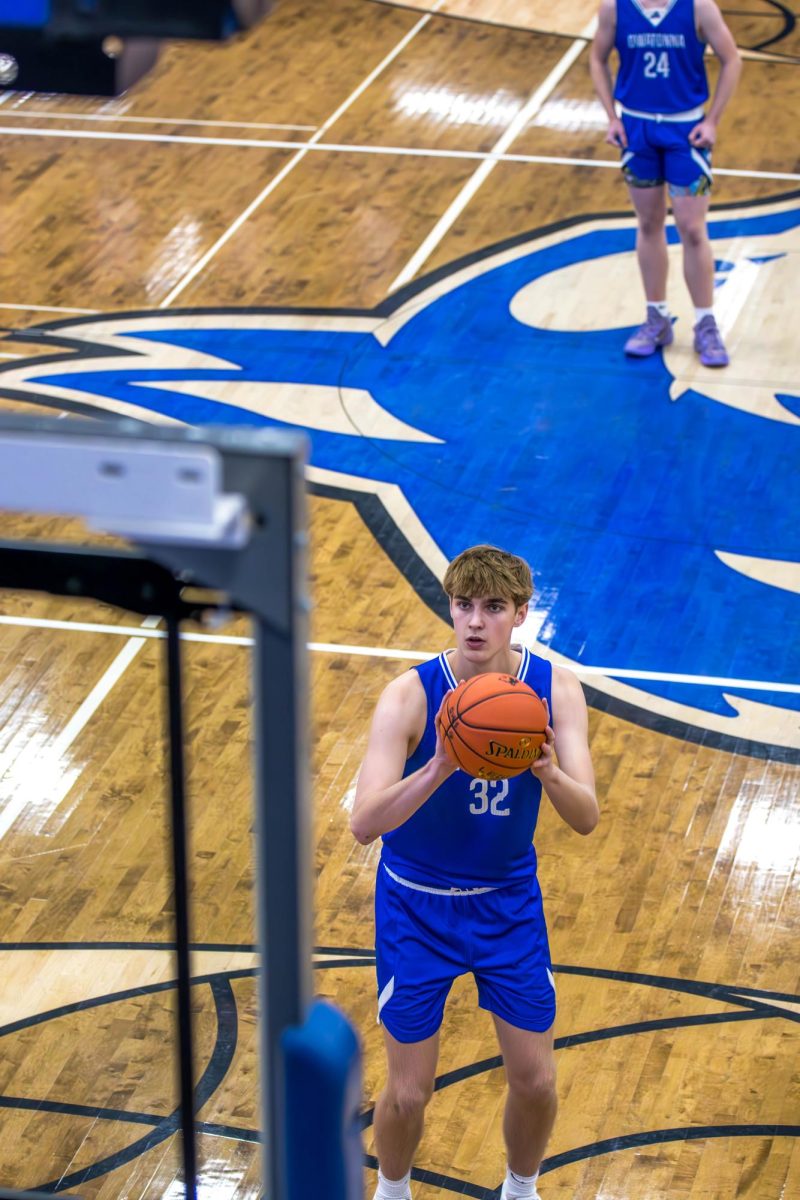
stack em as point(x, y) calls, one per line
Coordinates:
point(493, 726)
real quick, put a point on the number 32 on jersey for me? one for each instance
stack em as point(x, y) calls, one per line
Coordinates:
point(489, 797)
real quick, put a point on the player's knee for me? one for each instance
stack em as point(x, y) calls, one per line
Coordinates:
point(409, 1099)
point(651, 225)
point(693, 234)
point(535, 1086)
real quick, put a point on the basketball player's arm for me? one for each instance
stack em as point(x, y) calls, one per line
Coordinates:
point(599, 52)
point(711, 28)
point(384, 800)
point(569, 780)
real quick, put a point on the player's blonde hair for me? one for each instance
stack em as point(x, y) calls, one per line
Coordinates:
point(489, 571)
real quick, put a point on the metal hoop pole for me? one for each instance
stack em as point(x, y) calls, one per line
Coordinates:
point(181, 888)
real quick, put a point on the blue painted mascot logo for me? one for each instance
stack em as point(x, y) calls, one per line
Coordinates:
point(657, 502)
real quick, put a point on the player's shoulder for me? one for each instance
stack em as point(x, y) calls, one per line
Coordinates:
point(566, 688)
point(404, 695)
point(707, 10)
point(607, 12)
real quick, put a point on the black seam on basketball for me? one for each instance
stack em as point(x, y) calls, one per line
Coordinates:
point(495, 729)
point(489, 761)
point(450, 740)
point(494, 696)
point(503, 730)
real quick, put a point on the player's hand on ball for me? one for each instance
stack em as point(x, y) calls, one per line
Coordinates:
point(547, 759)
point(441, 756)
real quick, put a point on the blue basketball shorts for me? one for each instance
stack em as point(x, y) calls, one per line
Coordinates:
point(660, 152)
point(425, 940)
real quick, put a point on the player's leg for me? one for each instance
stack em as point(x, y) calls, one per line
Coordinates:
point(400, 1109)
point(531, 1103)
point(651, 252)
point(643, 171)
point(690, 214)
point(515, 984)
point(688, 172)
point(416, 963)
point(651, 244)
point(698, 269)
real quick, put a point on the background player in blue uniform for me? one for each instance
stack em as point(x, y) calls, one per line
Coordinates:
point(666, 139)
point(456, 889)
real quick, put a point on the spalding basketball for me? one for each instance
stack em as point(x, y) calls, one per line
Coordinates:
point(493, 726)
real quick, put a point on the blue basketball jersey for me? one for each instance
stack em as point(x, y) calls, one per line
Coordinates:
point(661, 67)
point(470, 832)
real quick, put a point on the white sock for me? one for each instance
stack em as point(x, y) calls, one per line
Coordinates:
point(520, 1186)
point(699, 313)
point(393, 1189)
point(661, 307)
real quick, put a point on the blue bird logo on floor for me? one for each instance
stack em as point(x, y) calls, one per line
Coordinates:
point(656, 501)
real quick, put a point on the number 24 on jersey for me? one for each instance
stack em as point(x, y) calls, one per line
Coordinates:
point(656, 64)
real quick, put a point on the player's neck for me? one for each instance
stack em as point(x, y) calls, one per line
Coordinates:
point(507, 662)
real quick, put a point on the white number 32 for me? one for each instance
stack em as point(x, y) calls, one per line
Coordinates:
point(484, 803)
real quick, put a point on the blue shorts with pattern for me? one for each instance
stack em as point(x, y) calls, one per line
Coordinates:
point(425, 940)
point(659, 152)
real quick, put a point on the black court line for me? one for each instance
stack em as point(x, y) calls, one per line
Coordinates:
point(395, 543)
point(789, 23)
point(598, 1035)
point(655, 1137)
point(223, 1054)
point(133, 993)
point(126, 1116)
point(216, 1070)
point(228, 947)
point(466, 18)
point(224, 1049)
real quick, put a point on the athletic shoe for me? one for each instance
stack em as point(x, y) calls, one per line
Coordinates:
point(709, 344)
point(656, 332)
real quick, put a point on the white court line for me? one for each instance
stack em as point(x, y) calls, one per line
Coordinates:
point(51, 308)
point(491, 157)
point(525, 114)
point(203, 262)
point(34, 114)
point(41, 777)
point(756, 685)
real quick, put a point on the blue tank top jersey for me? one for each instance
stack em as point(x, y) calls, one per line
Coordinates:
point(469, 832)
point(661, 67)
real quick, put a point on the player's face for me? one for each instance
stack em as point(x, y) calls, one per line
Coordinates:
point(484, 625)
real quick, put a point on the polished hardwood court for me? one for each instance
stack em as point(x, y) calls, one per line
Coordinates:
point(299, 174)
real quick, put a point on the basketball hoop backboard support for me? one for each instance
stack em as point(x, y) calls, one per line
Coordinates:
point(250, 546)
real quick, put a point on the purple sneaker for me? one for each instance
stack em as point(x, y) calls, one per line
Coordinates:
point(656, 331)
point(709, 344)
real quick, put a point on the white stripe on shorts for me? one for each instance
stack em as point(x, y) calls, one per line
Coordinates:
point(693, 114)
point(384, 997)
point(701, 162)
point(453, 891)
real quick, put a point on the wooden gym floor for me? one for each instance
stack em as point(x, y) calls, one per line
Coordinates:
point(324, 177)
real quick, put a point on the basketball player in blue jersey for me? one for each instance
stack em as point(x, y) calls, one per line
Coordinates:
point(666, 139)
point(457, 890)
